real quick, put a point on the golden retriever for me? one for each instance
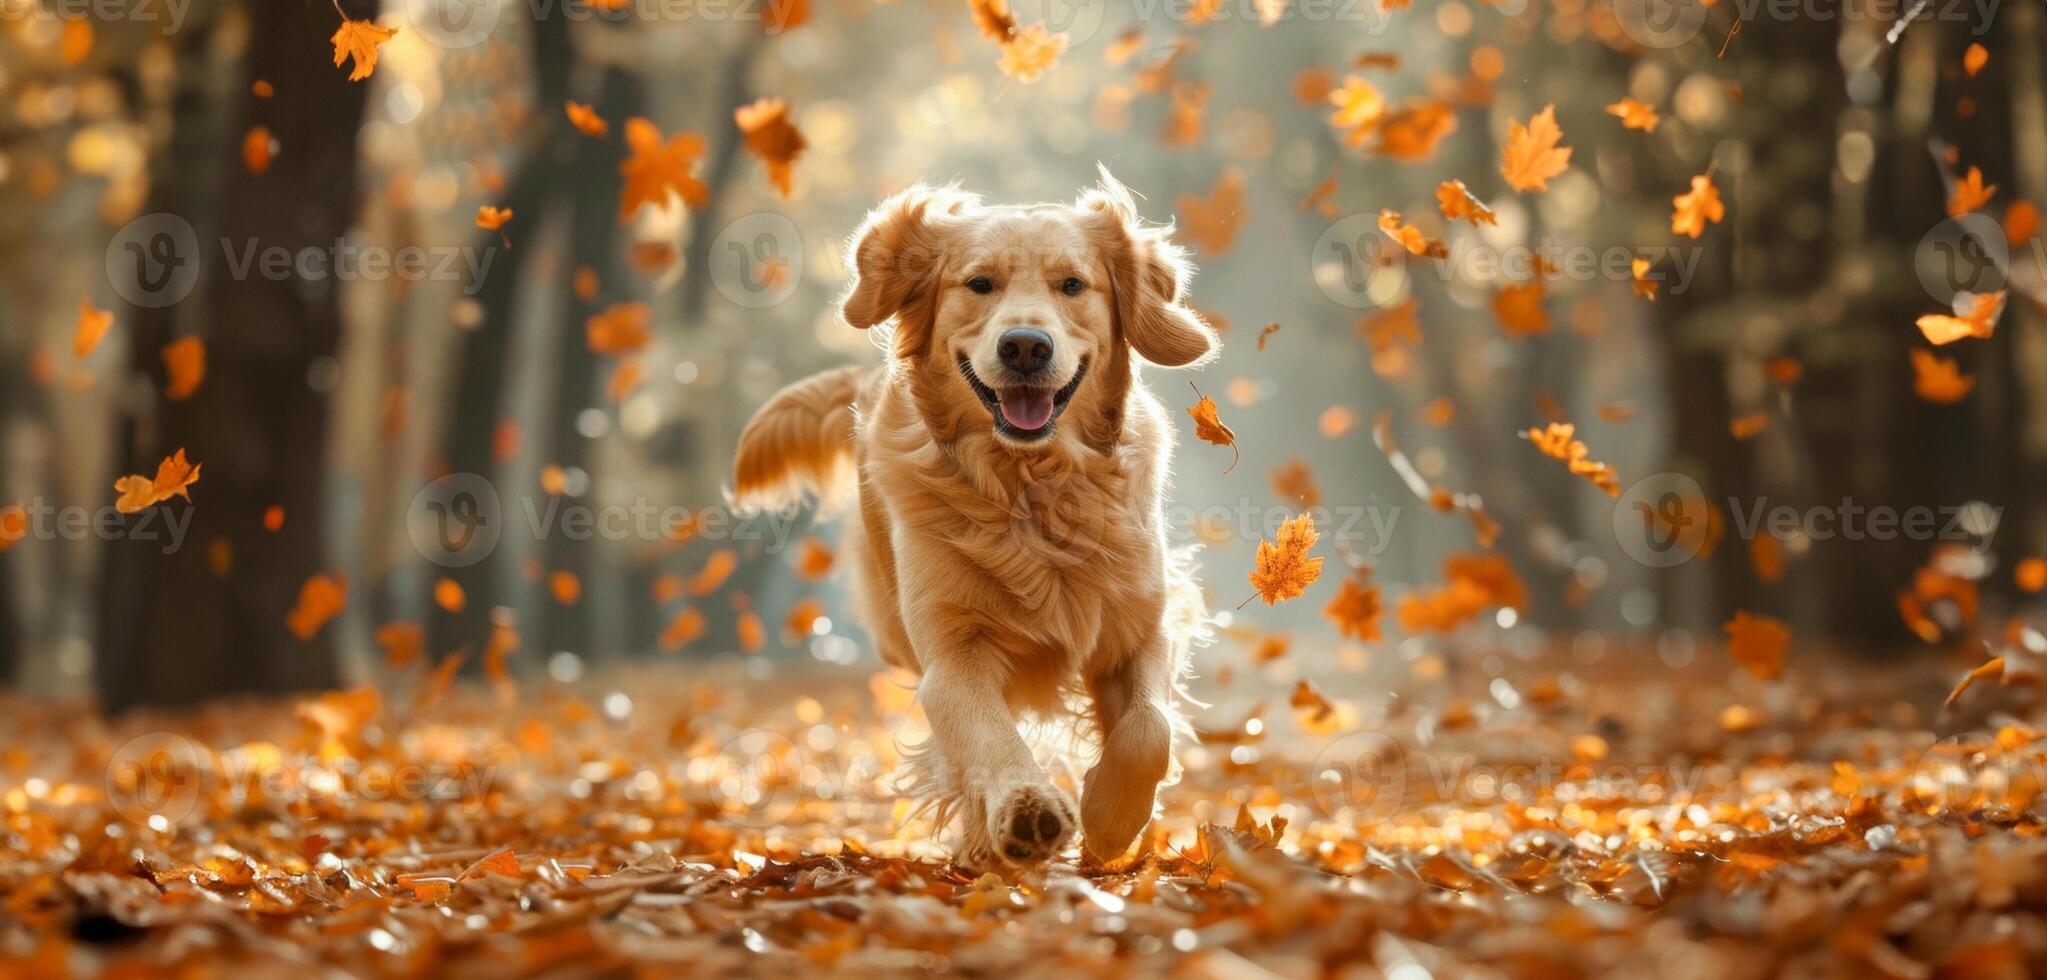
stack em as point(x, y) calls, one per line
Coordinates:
point(1009, 540)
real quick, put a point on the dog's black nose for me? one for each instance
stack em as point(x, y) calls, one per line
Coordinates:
point(1024, 350)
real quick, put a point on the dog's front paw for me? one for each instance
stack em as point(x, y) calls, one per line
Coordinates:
point(1031, 823)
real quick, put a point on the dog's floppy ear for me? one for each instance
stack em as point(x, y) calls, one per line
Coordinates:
point(1148, 274)
point(895, 258)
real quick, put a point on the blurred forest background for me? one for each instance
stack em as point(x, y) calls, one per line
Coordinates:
point(327, 405)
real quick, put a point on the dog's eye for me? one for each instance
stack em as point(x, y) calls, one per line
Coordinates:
point(981, 284)
point(1072, 286)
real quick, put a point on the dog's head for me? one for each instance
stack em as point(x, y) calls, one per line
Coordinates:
point(1014, 317)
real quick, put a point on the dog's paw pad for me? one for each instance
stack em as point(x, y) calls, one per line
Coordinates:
point(1033, 824)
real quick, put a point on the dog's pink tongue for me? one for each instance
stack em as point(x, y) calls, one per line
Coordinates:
point(1027, 408)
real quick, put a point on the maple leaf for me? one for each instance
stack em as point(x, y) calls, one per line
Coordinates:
point(1970, 194)
point(92, 328)
point(1311, 702)
point(1936, 379)
point(1359, 108)
point(320, 599)
point(359, 39)
point(1976, 316)
point(1209, 427)
point(1355, 610)
point(1557, 442)
point(1519, 308)
point(174, 478)
point(184, 366)
point(1456, 201)
point(1638, 271)
point(1030, 52)
point(1295, 482)
point(623, 328)
point(1412, 132)
point(993, 19)
point(1696, 207)
point(586, 119)
point(1757, 643)
point(1634, 115)
point(1532, 156)
point(491, 218)
point(770, 136)
point(1410, 237)
point(1183, 114)
point(657, 169)
point(1283, 568)
point(1211, 223)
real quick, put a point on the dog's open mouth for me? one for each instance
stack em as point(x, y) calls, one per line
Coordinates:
point(1023, 412)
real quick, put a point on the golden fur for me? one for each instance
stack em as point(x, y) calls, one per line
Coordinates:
point(1020, 573)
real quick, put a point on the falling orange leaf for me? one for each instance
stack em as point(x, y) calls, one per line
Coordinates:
point(1634, 115)
point(2021, 220)
point(1994, 667)
point(1209, 427)
point(1359, 109)
point(1696, 207)
point(586, 119)
point(1532, 156)
point(1556, 441)
point(320, 599)
point(716, 570)
point(359, 39)
point(256, 150)
point(402, 643)
point(491, 218)
point(1412, 132)
point(1519, 308)
point(1410, 237)
point(772, 137)
point(623, 328)
point(1748, 425)
point(1284, 569)
point(1355, 610)
point(1937, 379)
point(682, 630)
point(1294, 482)
point(1766, 557)
point(1456, 201)
point(1970, 194)
point(184, 365)
point(815, 561)
point(1211, 223)
point(1031, 52)
point(92, 328)
point(174, 478)
point(1638, 270)
point(626, 378)
point(1974, 59)
point(273, 518)
point(1758, 643)
point(2030, 574)
point(566, 588)
point(13, 526)
point(1977, 315)
point(657, 170)
point(448, 594)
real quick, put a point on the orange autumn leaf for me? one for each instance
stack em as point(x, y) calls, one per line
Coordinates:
point(566, 588)
point(753, 634)
point(772, 137)
point(1937, 379)
point(1311, 85)
point(448, 594)
point(586, 119)
point(1766, 558)
point(1211, 223)
point(1359, 109)
point(320, 599)
point(1758, 643)
point(1209, 427)
point(1970, 194)
point(1976, 316)
point(1456, 201)
point(174, 478)
point(1634, 115)
point(1557, 442)
point(13, 526)
point(359, 39)
point(1638, 271)
point(1310, 703)
point(2030, 574)
point(803, 617)
point(623, 328)
point(1696, 207)
point(785, 15)
point(256, 150)
point(2021, 220)
point(716, 570)
point(1992, 668)
point(1974, 59)
point(1532, 156)
point(502, 862)
point(491, 218)
point(626, 378)
point(1295, 483)
point(1283, 568)
point(92, 328)
point(273, 518)
point(667, 588)
point(815, 560)
point(1410, 237)
point(435, 686)
point(1519, 308)
point(1030, 52)
point(686, 627)
point(993, 19)
point(1411, 133)
point(1748, 425)
point(402, 643)
point(656, 170)
point(1355, 610)
point(184, 366)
